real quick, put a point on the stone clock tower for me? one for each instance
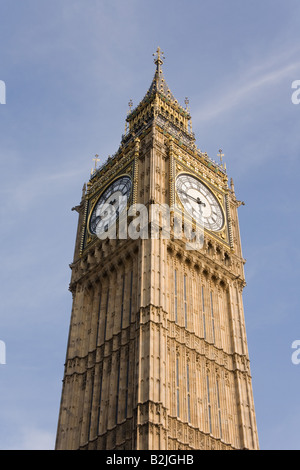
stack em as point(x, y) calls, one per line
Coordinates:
point(157, 353)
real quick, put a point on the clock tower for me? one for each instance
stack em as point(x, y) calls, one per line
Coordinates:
point(157, 353)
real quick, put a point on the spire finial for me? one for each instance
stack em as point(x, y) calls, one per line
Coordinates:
point(159, 55)
point(232, 185)
point(221, 155)
point(96, 160)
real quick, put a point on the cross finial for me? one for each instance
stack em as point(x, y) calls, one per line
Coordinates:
point(96, 160)
point(186, 102)
point(221, 155)
point(130, 104)
point(159, 56)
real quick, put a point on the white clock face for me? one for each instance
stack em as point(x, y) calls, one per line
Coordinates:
point(110, 205)
point(199, 202)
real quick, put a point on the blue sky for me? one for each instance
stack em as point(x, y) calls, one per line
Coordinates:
point(70, 68)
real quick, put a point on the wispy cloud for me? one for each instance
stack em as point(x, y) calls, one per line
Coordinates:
point(256, 79)
point(36, 187)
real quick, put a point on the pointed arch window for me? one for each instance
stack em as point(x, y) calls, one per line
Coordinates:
point(188, 392)
point(203, 313)
point(185, 300)
point(177, 388)
point(175, 296)
point(212, 317)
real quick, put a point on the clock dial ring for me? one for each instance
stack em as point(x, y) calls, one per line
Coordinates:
point(110, 204)
point(200, 202)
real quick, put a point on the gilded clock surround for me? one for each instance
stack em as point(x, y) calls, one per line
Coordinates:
point(157, 356)
point(94, 200)
point(99, 187)
point(217, 195)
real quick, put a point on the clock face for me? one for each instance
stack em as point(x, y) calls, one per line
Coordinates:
point(199, 202)
point(110, 205)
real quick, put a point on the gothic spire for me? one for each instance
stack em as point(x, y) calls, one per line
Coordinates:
point(158, 102)
point(158, 60)
point(158, 83)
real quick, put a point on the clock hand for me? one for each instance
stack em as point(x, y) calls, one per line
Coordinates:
point(198, 200)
